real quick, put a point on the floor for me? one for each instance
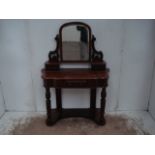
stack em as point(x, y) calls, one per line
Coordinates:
point(137, 122)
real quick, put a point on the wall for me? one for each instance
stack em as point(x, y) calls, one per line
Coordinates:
point(2, 107)
point(127, 46)
point(137, 65)
point(152, 96)
point(15, 66)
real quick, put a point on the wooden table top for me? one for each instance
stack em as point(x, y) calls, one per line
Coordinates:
point(74, 74)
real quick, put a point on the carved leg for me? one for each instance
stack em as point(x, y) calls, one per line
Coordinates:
point(93, 101)
point(102, 109)
point(48, 106)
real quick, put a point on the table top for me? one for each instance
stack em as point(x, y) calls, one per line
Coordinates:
point(74, 74)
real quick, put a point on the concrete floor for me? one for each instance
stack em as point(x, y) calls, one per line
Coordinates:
point(143, 120)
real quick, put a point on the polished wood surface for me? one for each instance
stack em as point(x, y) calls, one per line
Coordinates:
point(74, 74)
point(94, 77)
point(75, 78)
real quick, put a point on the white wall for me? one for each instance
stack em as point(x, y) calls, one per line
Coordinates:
point(2, 107)
point(137, 64)
point(15, 65)
point(127, 46)
point(152, 96)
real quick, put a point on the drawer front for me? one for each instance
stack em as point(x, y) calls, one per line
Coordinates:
point(75, 83)
point(72, 83)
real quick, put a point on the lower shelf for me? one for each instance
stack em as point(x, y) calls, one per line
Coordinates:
point(92, 114)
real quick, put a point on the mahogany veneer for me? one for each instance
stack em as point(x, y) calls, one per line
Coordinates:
point(93, 78)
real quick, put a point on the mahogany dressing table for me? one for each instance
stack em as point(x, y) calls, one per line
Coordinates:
point(75, 45)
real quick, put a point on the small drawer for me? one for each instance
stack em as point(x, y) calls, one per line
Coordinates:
point(75, 83)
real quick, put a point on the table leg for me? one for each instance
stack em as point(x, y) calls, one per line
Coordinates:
point(48, 104)
point(93, 101)
point(58, 99)
point(102, 109)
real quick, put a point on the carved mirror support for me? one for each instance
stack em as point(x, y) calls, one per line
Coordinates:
point(76, 44)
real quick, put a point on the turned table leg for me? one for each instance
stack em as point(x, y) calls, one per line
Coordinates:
point(48, 105)
point(102, 109)
point(58, 99)
point(93, 101)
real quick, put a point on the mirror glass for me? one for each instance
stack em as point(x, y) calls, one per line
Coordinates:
point(75, 43)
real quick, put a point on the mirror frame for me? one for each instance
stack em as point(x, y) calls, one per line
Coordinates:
point(89, 42)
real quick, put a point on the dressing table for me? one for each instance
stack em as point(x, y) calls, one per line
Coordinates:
point(75, 45)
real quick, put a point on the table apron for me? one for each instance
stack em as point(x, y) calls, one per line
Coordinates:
point(84, 83)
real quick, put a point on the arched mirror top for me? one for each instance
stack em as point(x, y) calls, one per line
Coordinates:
point(75, 42)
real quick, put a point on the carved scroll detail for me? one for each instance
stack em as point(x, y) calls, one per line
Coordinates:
point(96, 55)
point(53, 55)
